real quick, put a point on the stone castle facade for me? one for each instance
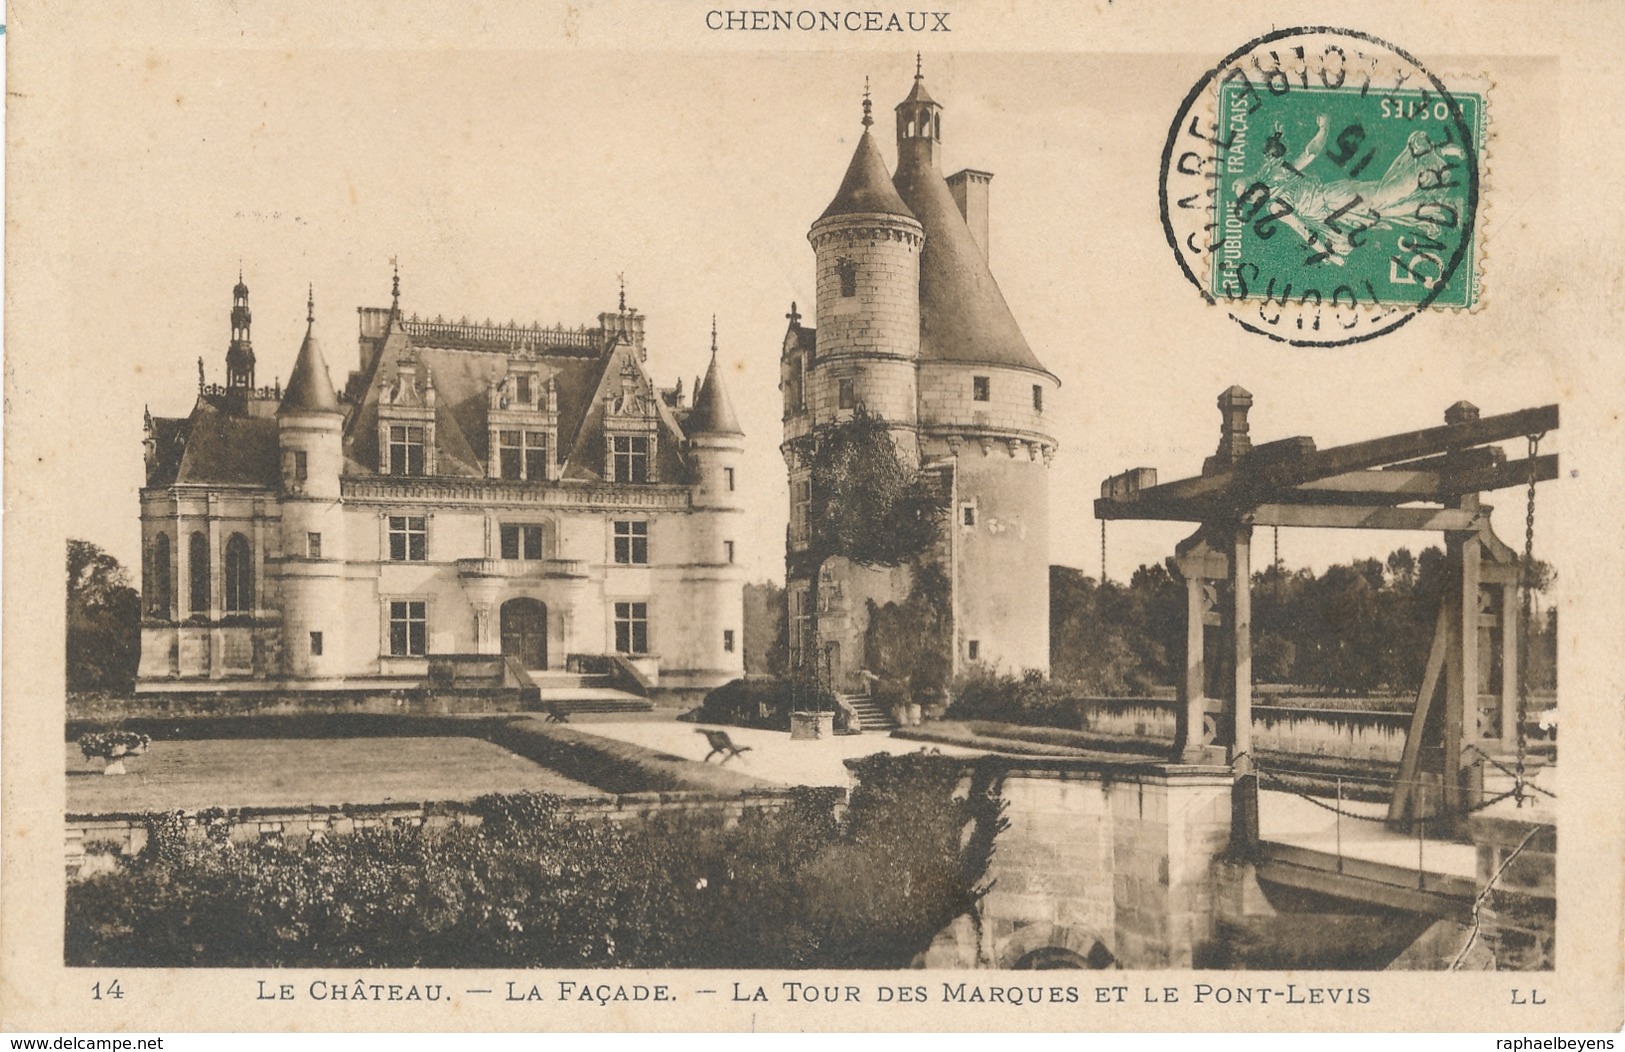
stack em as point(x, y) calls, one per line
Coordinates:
point(479, 505)
point(911, 325)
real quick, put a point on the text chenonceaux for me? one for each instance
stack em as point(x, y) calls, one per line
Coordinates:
point(809, 21)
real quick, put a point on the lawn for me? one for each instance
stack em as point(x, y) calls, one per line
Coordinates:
point(293, 772)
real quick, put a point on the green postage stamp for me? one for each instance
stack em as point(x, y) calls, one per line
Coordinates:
point(1323, 187)
point(1360, 194)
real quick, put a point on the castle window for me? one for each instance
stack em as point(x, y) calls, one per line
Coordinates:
point(728, 640)
point(981, 388)
point(846, 395)
point(728, 550)
point(197, 558)
point(728, 474)
point(521, 389)
point(509, 454)
point(536, 455)
point(973, 649)
point(631, 543)
point(1038, 398)
point(408, 628)
point(801, 512)
point(521, 541)
point(239, 576)
point(631, 458)
point(158, 586)
point(301, 465)
point(967, 514)
point(408, 538)
point(405, 450)
point(632, 628)
point(315, 644)
point(847, 269)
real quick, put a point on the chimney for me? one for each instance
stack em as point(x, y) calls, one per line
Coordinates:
point(969, 188)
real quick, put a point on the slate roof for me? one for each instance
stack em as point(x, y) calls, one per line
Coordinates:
point(310, 389)
point(963, 315)
point(866, 187)
point(224, 442)
point(713, 411)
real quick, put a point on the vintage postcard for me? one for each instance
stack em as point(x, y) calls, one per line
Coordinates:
point(622, 516)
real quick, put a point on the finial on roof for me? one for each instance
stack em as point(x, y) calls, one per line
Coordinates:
point(200, 373)
point(918, 74)
point(713, 335)
point(395, 286)
point(622, 276)
point(310, 305)
point(794, 315)
point(868, 118)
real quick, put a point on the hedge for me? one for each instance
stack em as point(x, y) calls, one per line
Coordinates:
point(810, 885)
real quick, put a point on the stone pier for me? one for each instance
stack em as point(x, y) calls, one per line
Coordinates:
point(1103, 865)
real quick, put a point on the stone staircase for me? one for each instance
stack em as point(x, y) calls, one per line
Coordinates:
point(871, 717)
point(575, 692)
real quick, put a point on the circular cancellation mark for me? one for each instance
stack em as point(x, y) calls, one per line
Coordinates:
point(1322, 187)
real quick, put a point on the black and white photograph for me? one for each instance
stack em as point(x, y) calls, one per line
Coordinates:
point(651, 517)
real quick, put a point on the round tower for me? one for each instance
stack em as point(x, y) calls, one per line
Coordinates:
point(310, 436)
point(716, 448)
point(868, 245)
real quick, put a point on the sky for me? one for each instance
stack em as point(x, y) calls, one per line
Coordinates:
point(520, 185)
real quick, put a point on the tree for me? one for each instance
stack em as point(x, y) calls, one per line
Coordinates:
point(868, 505)
point(104, 621)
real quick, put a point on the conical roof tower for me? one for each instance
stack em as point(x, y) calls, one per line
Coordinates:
point(310, 389)
point(963, 315)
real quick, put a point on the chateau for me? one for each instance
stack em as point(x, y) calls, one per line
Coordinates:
point(912, 326)
point(478, 506)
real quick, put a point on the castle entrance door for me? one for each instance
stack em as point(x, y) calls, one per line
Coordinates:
point(524, 632)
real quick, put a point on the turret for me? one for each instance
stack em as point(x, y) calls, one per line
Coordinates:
point(240, 353)
point(919, 126)
point(716, 441)
point(716, 447)
point(868, 247)
point(310, 426)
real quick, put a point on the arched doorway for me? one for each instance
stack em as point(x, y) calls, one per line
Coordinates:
point(524, 632)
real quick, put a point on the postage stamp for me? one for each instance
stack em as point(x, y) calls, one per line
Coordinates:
point(1324, 187)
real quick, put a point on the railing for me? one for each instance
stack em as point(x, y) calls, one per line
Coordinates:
point(511, 335)
point(551, 568)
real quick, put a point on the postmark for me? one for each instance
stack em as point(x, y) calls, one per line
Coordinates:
point(1324, 188)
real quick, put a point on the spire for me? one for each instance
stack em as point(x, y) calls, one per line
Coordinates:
point(240, 352)
point(713, 411)
point(310, 390)
point(867, 187)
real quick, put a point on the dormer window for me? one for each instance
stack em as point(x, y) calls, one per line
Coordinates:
point(631, 458)
point(523, 424)
point(406, 412)
point(405, 450)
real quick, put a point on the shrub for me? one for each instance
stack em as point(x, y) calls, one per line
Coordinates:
point(110, 745)
point(764, 701)
point(1004, 698)
point(534, 887)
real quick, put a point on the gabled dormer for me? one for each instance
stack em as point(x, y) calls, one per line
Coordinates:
point(522, 420)
point(406, 421)
point(631, 427)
